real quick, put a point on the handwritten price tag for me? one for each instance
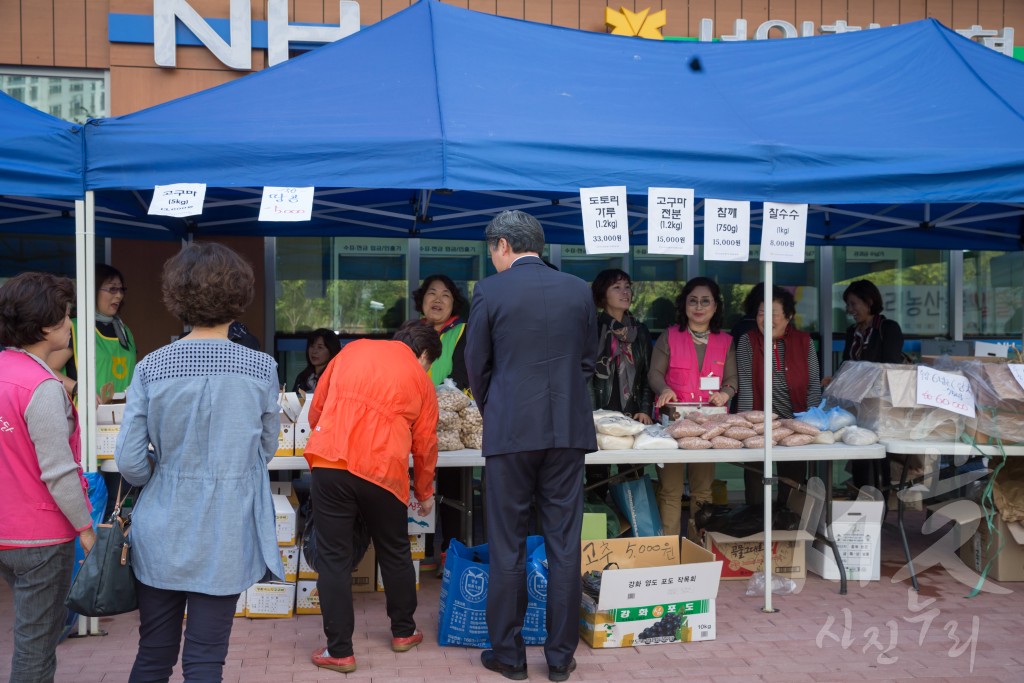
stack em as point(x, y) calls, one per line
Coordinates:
point(180, 199)
point(1018, 373)
point(944, 390)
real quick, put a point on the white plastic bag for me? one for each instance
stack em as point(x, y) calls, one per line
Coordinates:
point(780, 585)
point(619, 426)
point(606, 442)
point(654, 438)
point(858, 436)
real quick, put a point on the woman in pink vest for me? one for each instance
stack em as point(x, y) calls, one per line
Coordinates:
point(693, 362)
point(45, 504)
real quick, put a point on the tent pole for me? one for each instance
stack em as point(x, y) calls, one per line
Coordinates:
point(767, 362)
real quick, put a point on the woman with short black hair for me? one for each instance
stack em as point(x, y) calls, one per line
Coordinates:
point(44, 505)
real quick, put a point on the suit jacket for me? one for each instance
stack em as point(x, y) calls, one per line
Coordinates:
point(531, 348)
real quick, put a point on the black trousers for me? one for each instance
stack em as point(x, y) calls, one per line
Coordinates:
point(552, 478)
point(338, 496)
point(207, 631)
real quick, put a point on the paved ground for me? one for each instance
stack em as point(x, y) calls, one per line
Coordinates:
point(881, 631)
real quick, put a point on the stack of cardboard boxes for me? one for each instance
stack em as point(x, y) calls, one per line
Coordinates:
point(294, 434)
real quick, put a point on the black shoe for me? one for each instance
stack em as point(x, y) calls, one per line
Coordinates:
point(515, 673)
point(561, 673)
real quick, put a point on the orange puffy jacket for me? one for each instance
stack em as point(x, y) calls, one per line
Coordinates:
point(373, 405)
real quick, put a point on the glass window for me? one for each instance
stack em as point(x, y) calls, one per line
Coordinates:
point(993, 292)
point(657, 281)
point(53, 94)
point(576, 261)
point(913, 284)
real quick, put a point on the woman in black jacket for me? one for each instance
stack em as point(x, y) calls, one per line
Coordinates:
point(872, 336)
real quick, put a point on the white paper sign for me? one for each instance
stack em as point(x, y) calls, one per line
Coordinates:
point(180, 199)
point(287, 204)
point(726, 230)
point(605, 221)
point(944, 390)
point(783, 232)
point(1018, 373)
point(670, 221)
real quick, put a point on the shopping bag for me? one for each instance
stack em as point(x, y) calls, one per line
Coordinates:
point(98, 500)
point(635, 500)
point(360, 537)
point(105, 584)
point(462, 618)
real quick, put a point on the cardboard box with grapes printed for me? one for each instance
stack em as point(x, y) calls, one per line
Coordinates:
point(652, 591)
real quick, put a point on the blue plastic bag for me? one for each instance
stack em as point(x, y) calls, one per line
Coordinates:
point(462, 617)
point(839, 418)
point(635, 500)
point(815, 416)
point(98, 500)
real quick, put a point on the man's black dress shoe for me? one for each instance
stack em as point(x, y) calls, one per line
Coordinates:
point(561, 673)
point(515, 673)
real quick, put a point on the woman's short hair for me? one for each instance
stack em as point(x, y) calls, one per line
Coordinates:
point(105, 273)
point(788, 301)
point(693, 283)
point(458, 301)
point(604, 280)
point(753, 300)
point(31, 302)
point(420, 337)
point(329, 338)
point(866, 291)
point(207, 284)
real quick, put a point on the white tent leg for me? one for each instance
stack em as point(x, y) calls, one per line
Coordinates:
point(767, 362)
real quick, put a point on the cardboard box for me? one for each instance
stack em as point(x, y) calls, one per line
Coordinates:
point(307, 598)
point(857, 528)
point(302, 426)
point(284, 514)
point(1008, 562)
point(106, 441)
point(364, 576)
point(418, 545)
point(305, 571)
point(270, 600)
point(662, 592)
point(741, 557)
point(418, 522)
point(240, 605)
point(380, 579)
point(285, 439)
point(290, 559)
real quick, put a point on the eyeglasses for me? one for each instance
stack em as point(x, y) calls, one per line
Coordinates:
point(114, 291)
point(706, 302)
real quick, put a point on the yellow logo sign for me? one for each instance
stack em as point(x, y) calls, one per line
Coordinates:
point(641, 24)
point(119, 367)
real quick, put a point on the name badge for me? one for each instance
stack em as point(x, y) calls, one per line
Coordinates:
point(710, 383)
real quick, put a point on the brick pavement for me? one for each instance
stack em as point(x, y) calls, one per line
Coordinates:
point(881, 631)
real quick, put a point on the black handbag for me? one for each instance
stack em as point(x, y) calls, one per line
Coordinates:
point(105, 584)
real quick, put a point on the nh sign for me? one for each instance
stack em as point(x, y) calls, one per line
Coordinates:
point(237, 51)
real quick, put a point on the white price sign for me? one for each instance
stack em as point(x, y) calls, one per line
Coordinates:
point(726, 230)
point(1018, 373)
point(783, 232)
point(287, 204)
point(944, 390)
point(670, 221)
point(180, 199)
point(605, 220)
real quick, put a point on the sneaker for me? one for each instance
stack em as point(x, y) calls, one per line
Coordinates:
point(407, 643)
point(324, 660)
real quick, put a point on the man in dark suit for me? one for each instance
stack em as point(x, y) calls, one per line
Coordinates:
point(531, 348)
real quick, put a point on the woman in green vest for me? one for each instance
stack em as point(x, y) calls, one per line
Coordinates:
point(115, 346)
point(440, 303)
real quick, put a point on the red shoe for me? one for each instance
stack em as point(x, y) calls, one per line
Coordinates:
point(406, 644)
point(345, 665)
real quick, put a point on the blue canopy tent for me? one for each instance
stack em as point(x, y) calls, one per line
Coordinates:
point(475, 113)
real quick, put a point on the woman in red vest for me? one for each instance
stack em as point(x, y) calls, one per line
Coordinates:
point(693, 362)
point(796, 379)
point(45, 505)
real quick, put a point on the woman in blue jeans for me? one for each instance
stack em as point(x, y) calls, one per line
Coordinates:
point(203, 526)
point(45, 504)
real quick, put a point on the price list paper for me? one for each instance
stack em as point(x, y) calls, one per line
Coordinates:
point(783, 232)
point(944, 390)
point(670, 221)
point(287, 204)
point(726, 230)
point(180, 199)
point(605, 220)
